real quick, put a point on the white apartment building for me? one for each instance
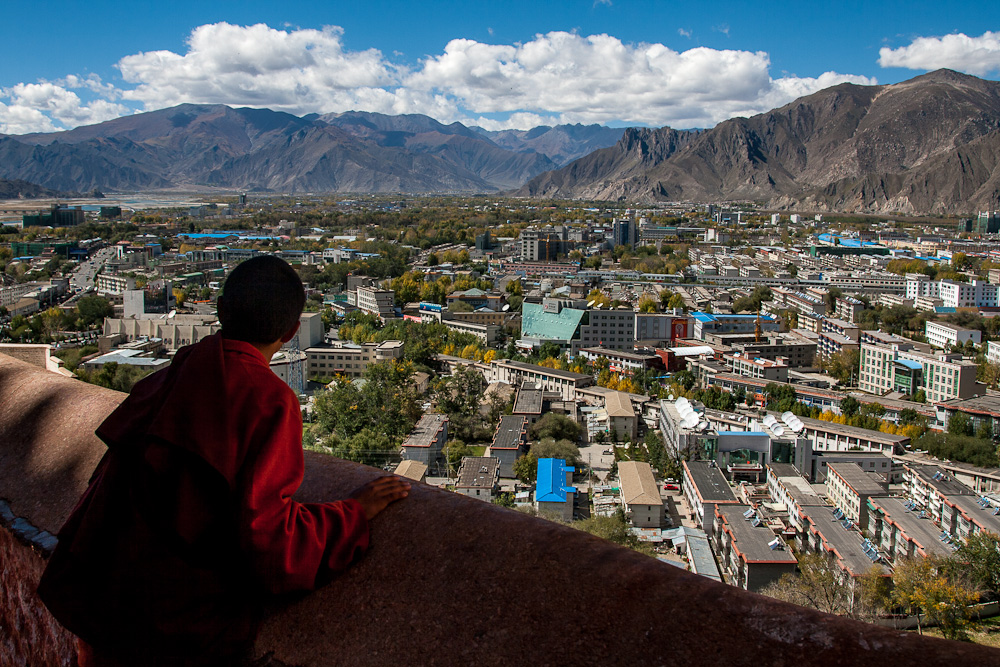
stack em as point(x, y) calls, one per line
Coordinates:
point(349, 359)
point(108, 284)
point(993, 352)
point(13, 293)
point(944, 335)
point(974, 294)
point(918, 285)
point(376, 301)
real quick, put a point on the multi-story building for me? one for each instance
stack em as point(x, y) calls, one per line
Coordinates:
point(378, 302)
point(554, 491)
point(640, 494)
point(757, 367)
point(848, 308)
point(748, 550)
point(478, 477)
point(974, 294)
point(708, 323)
point(510, 442)
point(349, 359)
point(899, 367)
point(426, 443)
point(705, 487)
point(849, 488)
point(945, 335)
point(514, 373)
point(109, 284)
point(899, 531)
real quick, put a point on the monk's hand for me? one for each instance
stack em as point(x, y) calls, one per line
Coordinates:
point(377, 494)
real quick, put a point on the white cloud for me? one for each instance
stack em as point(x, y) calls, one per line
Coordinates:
point(34, 106)
point(684, 33)
point(299, 71)
point(973, 55)
point(598, 79)
point(557, 77)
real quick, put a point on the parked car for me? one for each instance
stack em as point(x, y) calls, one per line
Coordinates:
point(671, 487)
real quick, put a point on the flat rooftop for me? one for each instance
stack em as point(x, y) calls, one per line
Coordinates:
point(983, 405)
point(425, 433)
point(752, 541)
point(922, 532)
point(710, 484)
point(862, 482)
point(509, 431)
point(845, 542)
point(528, 402)
point(478, 472)
point(981, 515)
point(945, 482)
point(542, 370)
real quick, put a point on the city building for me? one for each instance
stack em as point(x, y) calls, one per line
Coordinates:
point(748, 550)
point(849, 488)
point(554, 491)
point(478, 477)
point(349, 359)
point(705, 487)
point(378, 302)
point(901, 368)
point(973, 294)
point(640, 494)
point(510, 442)
point(708, 323)
point(944, 335)
point(426, 443)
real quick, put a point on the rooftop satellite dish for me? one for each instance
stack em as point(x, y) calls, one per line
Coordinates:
point(171, 314)
point(590, 304)
point(506, 307)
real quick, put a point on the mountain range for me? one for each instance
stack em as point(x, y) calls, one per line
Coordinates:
point(927, 145)
point(201, 146)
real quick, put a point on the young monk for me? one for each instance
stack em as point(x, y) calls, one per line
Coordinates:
point(188, 521)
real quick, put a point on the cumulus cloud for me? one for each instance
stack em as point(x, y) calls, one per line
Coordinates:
point(556, 77)
point(34, 107)
point(599, 78)
point(973, 55)
point(300, 71)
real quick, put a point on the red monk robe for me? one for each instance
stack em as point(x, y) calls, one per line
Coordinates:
point(189, 516)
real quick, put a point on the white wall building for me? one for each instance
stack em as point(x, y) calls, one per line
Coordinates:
point(944, 335)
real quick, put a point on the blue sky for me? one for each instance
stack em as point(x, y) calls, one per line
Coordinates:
point(498, 64)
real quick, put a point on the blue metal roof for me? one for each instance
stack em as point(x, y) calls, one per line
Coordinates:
point(754, 433)
point(909, 363)
point(551, 486)
point(703, 317)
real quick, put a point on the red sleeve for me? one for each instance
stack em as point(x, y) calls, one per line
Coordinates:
point(291, 544)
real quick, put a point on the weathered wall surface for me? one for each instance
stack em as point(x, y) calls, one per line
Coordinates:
point(448, 580)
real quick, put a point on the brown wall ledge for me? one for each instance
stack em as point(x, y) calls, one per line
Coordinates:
point(448, 580)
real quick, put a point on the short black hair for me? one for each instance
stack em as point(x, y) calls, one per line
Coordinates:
point(261, 300)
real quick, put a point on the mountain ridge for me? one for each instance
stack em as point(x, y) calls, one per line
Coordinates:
point(847, 147)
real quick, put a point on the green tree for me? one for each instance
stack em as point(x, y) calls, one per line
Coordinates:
point(550, 448)
point(526, 468)
point(120, 377)
point(93, 310)
point(556, 427)
point(849, 406)
point(960, 424)
point(981, 553)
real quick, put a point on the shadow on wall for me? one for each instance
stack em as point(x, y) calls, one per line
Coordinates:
point(448, 580)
